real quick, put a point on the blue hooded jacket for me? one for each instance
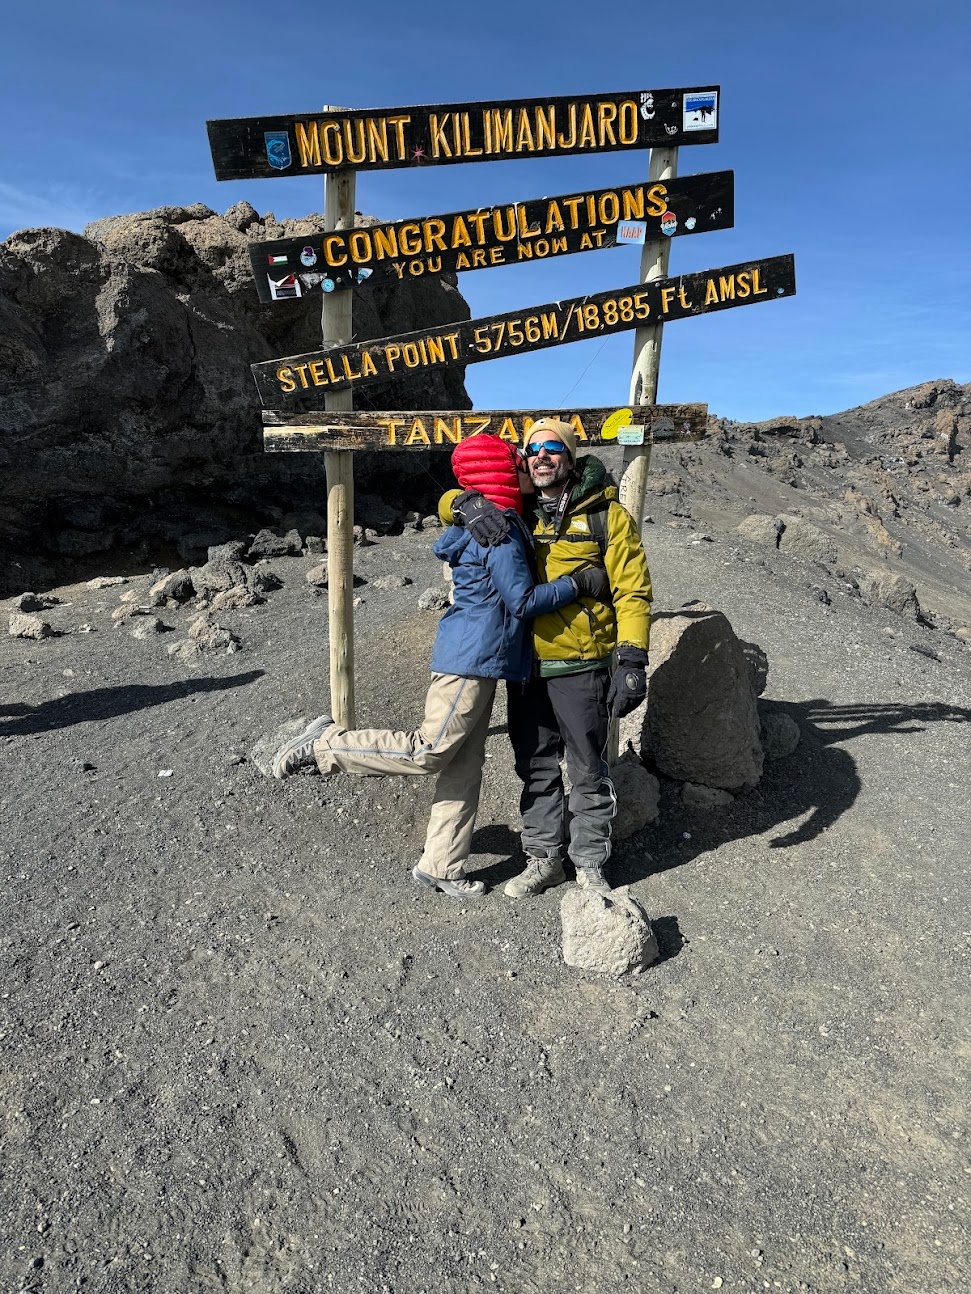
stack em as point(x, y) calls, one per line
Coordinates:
point(486, 633)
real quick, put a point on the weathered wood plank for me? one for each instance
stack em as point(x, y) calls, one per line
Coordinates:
point(301, 381)
point(482, 238)
point(371, 139)
point(444, 428)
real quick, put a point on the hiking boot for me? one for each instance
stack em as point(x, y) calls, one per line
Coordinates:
point(539, 875)
point(592, 878)
point(459, 888)
point(298, 753)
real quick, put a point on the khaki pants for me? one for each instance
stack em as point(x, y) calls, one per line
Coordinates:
point(450, 742)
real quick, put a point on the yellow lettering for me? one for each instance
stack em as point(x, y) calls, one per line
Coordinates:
point(524, 135)
point(587, 137)
point(711, 293)
point(460, 233)
point(608, 115)
point(549, 325)
point(440, 146)
point(633, 204)
point(586, 242)
point(409, 239)
point(385, 241)
point(392, 425)
point(559, 244)
point(628, 122)
point(433, 231)
point(452, 339)
point(667, 296)
point(360, 247)
point(331, 256)
point(412, 356)
point(418, 435)
point(329, 365)
point(391, 354)
point(507, 431)
point(497, 256)
point(756, 290)
point(436, 350)
point(302, 370)
point(545, 128)
point(553, 218)
point(504, 235)
point(577, 426)
point(308, 144)
point(467, 149)
point(399, 124)
point(462, 262)
point(317, 372)
point(478, 259)
point(285, 377)
point(356, 149)
point(348, 368)
point(333, 152)
point(656, 204)
point(726, 287)
point(743, 284)
point(573, 206)
point(501, 122)
point(368, 366)
point(443, 432)
point(569, 139)
point(377, 139)
point(609, 208)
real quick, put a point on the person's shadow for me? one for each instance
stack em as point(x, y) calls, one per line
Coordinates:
point(819, 779)
point(102, 703)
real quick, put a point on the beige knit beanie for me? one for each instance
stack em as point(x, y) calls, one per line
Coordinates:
point(555, 428)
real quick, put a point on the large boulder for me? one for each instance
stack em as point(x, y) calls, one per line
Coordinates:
point(125, 366)
point(702, 722)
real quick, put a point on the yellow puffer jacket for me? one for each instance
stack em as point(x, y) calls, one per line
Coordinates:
point(589, 630)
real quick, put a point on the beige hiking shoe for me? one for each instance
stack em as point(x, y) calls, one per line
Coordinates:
point(592, 878)
point(459, 888)
point(539, 875)
point(298, 753)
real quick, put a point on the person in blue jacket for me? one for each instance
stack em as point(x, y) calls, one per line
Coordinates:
point(486, 635)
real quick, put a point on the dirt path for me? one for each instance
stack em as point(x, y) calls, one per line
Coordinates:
point(241, 1052)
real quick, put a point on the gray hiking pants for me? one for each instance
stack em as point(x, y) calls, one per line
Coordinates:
point(546, 717)
point(451, 742)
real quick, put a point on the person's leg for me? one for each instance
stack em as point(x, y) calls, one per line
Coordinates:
point(452, 709)
point(537, 749)
point(448, 840)
point(579, 702)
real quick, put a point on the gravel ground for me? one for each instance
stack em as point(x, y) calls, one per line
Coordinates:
point(242, 1052)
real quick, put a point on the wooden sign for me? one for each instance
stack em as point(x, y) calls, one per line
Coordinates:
point(376, 139)
point(486, 237)
point(443, 428)
point(302, 381)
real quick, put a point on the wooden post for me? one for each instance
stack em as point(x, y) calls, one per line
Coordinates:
point(643, 379)
point(647, 347)
point(339, 195)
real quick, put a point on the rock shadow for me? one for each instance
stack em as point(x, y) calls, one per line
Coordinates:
point(109, 702)
point(819, 780)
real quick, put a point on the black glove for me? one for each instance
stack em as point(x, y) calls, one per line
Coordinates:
point(628, 687)
point(592, 583)
point(487, 524)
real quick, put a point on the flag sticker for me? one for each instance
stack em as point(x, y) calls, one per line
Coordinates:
point(701, 110)
point(276, 260)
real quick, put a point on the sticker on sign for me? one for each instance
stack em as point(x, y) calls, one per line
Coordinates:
point(631, 231)
point(630, 435)
point(700, 110)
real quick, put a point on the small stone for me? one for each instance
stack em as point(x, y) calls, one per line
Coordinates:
point(176, 587)
point(314, 544)
point(431, 522)
point(263, 580)
point(638, 794)
point(148, 627)
point(388, 582)
point(268, 544)
point(235, 598)
point(705, 797)
point(106, 581)
point(779, 734)
point(317, 575)
point(964, 633)
point(609, 933)
point(211, 637)
point(433, 599)
point(32, 602)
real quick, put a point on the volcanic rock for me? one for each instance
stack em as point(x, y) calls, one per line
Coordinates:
point(607, 933)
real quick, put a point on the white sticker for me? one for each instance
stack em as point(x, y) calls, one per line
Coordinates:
point(631, 231)
point(631, 435)
point(701, 110)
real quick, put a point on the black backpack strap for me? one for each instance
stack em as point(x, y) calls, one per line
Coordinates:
point(598, 528)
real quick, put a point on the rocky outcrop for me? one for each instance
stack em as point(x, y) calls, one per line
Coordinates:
point(127, 407)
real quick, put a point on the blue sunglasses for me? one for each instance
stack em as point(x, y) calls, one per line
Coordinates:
point(551, 447)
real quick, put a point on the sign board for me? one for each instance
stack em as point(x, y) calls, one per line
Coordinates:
point(302, 381)
point(376, 139)
point(444, 428)
point(486, 237)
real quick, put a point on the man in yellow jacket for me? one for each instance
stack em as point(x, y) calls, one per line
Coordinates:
point(590, 659)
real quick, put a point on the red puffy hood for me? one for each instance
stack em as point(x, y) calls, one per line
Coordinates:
point(489, 465)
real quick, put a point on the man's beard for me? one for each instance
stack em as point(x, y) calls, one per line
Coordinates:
point(545, 476)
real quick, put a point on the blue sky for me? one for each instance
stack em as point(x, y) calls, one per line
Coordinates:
point(846, 125)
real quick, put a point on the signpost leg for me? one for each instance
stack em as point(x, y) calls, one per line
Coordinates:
point(647, 346)
point(339, 192)
point(643, 379)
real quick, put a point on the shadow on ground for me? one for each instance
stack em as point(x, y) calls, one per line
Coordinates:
point(819, 782)
point(108, 702)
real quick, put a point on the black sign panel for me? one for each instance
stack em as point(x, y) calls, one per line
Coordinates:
point(378, 139)
point(302, 381)
point(482, 238)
